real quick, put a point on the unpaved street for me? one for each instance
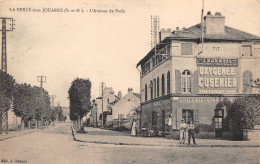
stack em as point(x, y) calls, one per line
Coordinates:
point(56, 145)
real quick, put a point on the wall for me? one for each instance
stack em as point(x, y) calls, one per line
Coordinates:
point(163, 68)
point(126, 105)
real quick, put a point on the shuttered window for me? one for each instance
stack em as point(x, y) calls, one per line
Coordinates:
point(158, 87)
point(247, 81)
point(163, 88)
point(186, 82)
point(186, 48)
point(151, 87)
point(168, 83)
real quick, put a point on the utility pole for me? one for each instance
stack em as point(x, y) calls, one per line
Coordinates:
point(41, 79)
point(102, 95)
point(7, 25)
point(52, 100)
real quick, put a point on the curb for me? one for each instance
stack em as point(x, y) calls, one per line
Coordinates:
point(23, 134)
point(120, 143)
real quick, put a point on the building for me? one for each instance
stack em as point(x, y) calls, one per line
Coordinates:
point(184, 78)
point(125, 107)
point(105, 102)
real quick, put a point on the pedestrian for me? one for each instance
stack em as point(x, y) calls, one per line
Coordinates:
point(133, 131)
point(191, 132)
point(183, 127)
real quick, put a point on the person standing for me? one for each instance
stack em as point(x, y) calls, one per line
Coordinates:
point(191, 132)
point(133, 131)
point(183, 127)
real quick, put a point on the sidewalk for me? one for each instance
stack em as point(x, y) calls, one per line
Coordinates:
point(17, 133)
point(102, 136)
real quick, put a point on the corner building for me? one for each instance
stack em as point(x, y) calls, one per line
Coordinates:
point(185, 79)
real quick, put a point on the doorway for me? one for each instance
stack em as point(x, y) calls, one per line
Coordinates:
point(218, 121)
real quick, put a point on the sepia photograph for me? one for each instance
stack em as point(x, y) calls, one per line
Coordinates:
point(130, 81)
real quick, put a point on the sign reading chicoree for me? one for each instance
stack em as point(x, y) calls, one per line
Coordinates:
point(217, 76)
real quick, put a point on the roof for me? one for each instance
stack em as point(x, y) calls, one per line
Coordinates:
point(194, 33)
point(137, 95)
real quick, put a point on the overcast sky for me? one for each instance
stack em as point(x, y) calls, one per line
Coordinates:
point(101, 46)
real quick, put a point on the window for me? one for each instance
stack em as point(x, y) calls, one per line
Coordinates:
point(186, 48)
point(247, 77)
point(145, 92)
point(158, 87)
point(168, 83)
point(163, 85)
point(218, 118)
point(108, 101)
point(153, 61)
point(145, 68)
point(151, 87)
point(186, 82)
point(154, 84)
point(187, 115)
point(154, 118)
point(246, 50)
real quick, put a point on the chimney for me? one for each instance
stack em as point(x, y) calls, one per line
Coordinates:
point(164, 33)
point(130, 90)
point(215, 24)
point(119, 94)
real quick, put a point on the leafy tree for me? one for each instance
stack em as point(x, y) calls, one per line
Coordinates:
point(79, 95)
point(53, 115)
point(6, 90)
point(243, 113)
point(23, 102)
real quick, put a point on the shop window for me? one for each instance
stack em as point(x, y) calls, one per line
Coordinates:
point(247, 82)
point(154, 86)
point(154, 118)
point(158, 87)
point(246, 50)
point(163, 85)
point(186, 48)
point(187, 115)
point(145, 92)
point(151, 87)
point(186, 82)
point(168, 82)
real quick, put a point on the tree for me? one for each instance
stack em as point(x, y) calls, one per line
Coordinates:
point(79, 95)
point(243, 113)
point(53, 115)
point(31, 102)
point(23, 102)
point(6, 90)
point(6, 93)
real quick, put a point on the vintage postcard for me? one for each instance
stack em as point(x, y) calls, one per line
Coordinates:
point(129, 81)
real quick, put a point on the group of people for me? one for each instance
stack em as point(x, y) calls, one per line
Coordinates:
point(187, 128)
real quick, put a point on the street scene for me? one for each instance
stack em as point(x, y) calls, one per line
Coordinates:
point(130, 82)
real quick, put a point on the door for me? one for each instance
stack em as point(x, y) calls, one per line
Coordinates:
point(218, 121)
point(163, 120)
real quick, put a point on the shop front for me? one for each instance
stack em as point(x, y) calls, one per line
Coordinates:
point(205, 112)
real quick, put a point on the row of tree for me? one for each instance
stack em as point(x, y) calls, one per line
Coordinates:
point(80, 105)
point(29, 102)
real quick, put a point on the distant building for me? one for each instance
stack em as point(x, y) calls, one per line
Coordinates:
point(109, 98)
point(126, 105)
point(185, 79)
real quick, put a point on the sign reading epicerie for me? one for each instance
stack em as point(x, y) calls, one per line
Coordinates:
point(217, 76)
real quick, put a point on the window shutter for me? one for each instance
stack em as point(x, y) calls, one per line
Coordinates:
point(195, 83)
point(196, 117)
point(177, 81)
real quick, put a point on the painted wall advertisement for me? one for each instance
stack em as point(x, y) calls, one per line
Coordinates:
point(217, 76)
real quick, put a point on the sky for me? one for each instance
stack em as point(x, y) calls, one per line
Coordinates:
point(101, 46)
